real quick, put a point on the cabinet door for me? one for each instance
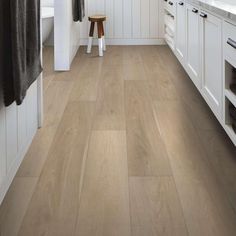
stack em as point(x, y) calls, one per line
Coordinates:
point(212, 77)
point(193, 44)
point(181, 31)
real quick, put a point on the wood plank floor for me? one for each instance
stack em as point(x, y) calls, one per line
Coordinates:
point(128, 148)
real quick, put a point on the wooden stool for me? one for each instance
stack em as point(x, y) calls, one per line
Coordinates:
point(101, 39)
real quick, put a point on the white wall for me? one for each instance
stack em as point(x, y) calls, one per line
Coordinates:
point(47, 3)
point(66, 33)
point(18, 125)
point(128, 21)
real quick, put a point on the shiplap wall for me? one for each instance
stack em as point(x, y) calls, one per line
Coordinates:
point(128, 21)
point(66, 35)
point(18, 125)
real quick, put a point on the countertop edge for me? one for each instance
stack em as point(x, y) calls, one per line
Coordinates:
point(217, 8)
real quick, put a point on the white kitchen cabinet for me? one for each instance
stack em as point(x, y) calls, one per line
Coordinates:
point(181, 30)
point(211, 48)
point(193, 44)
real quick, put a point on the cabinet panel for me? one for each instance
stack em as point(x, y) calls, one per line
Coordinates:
point(212, 78)
point(193, 44)
point(181, 30)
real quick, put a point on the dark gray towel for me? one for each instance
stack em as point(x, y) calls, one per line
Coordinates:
point(21, 46)
point(78, 10)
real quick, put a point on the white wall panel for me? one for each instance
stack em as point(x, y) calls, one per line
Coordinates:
point(3, 155)
point(127, 20)
point(21, 125)
point(145, 18)
point(110, 19)
point(154, 19)
point(66, 34)
point(118, 19)
point(47, 3)
point(18, 125)
point(11, 135)
point(136, 18)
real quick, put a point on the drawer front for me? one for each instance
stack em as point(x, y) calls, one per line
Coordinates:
point(169, 5)
point(230, 40)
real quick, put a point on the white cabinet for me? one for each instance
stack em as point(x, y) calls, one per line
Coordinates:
point(193, 44)
point(181, 30)
point(211, 48)
point(199, 39)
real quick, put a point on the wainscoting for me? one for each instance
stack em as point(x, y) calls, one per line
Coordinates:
point(128, 21)
point(18, 125)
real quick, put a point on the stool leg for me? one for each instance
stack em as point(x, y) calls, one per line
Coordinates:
point(103, 38)
point(100, 47)
point(90, 42)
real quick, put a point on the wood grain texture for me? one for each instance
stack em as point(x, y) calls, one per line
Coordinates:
point(133, 71)
point(155, 207)
point(119, 156)
point(122, 55)
point(195, 179)
point(55, 101)
point(146, 151)
point(86, 87)
point(54, 205)
point(15, 205)
point(104, 207)
point(110, 102)
point(160, 82)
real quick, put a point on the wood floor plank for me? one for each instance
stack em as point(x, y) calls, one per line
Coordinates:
point(155, 207)
point(159, 81)
point(203, 200)
point(133, 71)
point(54, 205)
point(148, 122)
point(104, 207)
point(147, 155)
point(86, 85)
point(222, 156)
point(110, 102)
point(121, 55)
point(48, 61)
point(194, 102)
point(55, 101)
point(14, 206)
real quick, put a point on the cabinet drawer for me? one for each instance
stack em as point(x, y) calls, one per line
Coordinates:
point(230, 40)
point(169, 5)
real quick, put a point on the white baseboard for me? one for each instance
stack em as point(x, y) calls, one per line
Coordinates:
point(127, 42)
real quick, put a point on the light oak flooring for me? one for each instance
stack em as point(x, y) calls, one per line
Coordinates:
point(128, 148)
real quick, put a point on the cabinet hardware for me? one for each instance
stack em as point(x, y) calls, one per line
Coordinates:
point(171, 3)
point(232, 43)
point(203, 15)
point(195, 10)
point(181, 3)
point(165, 0)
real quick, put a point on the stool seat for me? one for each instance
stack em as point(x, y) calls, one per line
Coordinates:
point(97, 18)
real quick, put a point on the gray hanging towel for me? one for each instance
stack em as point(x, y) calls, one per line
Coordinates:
point(22, 23)
point(78, 10)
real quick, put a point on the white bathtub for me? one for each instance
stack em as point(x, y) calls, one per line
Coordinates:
point(47, 22)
